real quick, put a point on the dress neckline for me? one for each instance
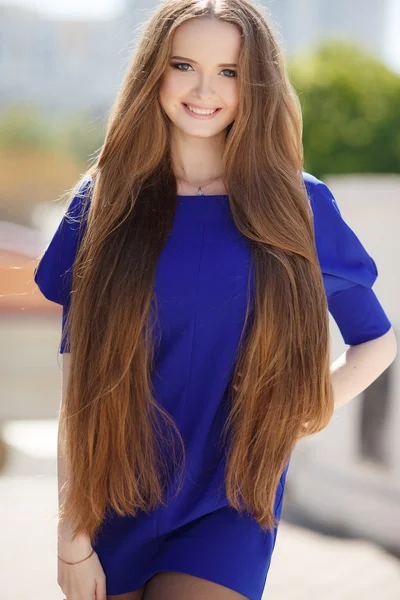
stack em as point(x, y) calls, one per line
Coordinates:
point(204, 208)
point(205, 196)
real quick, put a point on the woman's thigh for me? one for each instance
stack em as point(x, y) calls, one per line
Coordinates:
point(171, 585)
point(136, 595)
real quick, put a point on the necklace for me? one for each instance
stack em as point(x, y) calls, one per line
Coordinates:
point(199, 190)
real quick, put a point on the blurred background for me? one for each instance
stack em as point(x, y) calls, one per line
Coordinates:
point(60, 67)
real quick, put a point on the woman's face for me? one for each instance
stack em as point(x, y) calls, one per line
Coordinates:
point(202, 74)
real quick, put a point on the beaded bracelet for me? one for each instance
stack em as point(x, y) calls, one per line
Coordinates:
point(75, 563)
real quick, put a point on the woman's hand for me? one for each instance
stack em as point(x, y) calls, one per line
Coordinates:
point(85, 580)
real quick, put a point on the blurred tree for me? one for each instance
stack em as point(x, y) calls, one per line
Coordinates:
point(351, 111)
point(21, 128)
point(27, 128)
point(41, 157)
point(80, 135)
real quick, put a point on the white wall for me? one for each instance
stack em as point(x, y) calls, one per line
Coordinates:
point(329, 481)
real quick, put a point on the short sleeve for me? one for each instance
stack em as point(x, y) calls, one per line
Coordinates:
point(349, 272)
point(53, 273)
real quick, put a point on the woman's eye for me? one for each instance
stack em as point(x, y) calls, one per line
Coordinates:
point(233, 73)
point(178, 66)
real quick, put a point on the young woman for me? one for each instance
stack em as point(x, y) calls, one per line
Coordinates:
point(196, 264)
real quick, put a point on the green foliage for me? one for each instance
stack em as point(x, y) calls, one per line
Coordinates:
point(351, 111)
point(80, 136)
point(26, 128)
point(21, 129)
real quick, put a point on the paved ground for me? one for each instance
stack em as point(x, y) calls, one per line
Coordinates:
point(306, 565)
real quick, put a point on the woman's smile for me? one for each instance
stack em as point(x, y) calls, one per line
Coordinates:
point(199, 114)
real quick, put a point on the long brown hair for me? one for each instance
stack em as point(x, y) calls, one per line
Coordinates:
point(119, 442)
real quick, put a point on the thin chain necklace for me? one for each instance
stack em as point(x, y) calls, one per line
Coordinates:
point(199, 190)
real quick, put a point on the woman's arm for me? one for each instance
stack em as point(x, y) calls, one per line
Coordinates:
point(81, 546)
point(360, 365)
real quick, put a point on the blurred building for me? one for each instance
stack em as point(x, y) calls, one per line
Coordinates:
point(70, 65)
point(59, 65)
point(346, 478)
point(304, 23)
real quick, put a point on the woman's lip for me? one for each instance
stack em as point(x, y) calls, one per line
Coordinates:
point(200, 107)
point(197, 116)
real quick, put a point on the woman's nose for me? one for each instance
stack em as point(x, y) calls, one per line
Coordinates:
point(204, 87)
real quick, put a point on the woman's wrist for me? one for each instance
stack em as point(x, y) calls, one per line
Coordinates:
point(72, 549)
point(76, 562)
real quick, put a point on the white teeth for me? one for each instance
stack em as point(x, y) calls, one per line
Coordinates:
point(201, 111)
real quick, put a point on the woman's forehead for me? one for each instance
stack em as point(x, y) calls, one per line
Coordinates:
point(208, 41)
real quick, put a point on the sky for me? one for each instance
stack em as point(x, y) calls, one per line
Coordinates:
point(102, 9)
point(80, 9)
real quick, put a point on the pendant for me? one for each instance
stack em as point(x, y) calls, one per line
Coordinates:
point(199, 192)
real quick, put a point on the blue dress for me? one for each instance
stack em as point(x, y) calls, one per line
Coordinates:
point(201, 287)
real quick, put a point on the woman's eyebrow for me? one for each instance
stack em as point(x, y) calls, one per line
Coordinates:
point(196, 63)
